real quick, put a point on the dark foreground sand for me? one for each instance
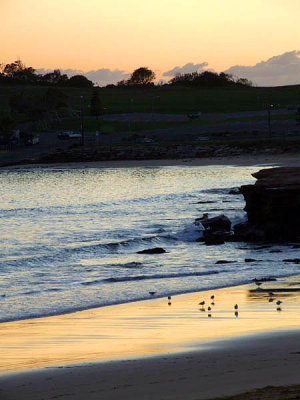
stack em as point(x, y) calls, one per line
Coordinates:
point(228, 368)
point(270, 392)
point(152, 350)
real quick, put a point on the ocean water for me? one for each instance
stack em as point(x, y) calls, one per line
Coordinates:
point(69, 237)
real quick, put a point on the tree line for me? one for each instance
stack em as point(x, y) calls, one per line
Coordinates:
point(18, 73)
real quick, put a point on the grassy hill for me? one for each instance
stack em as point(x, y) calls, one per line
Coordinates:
point(168, 99)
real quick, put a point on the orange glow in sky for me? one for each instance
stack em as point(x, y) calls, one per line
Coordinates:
point(160, 34)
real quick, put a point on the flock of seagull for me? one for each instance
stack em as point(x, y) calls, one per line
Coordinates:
point(235, 307)
point(209, 307)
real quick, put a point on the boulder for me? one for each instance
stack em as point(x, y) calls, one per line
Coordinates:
point(155, 250)
point(272, 206)
point(292, 260)
point(235, 191)
point(219, 223)
point(218, 237)
point(214, 238)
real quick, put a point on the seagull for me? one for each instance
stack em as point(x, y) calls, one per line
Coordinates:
point(278, 308)
point(209, 308)
point(202, 303)
point(271, 294)
point(258, 285)
point(209, 315)
point(202, 309)
point(236, 307)
point(236, 314)
point(152, 293)
point(278, 302)
point(169, 297)
point(169, 303)
point(271, 300)
point(212, 297)
point(212, 303)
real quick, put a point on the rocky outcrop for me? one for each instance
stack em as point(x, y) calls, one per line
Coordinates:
point(272, 206)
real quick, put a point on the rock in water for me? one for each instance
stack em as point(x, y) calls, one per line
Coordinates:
point(234, 191)
point(216, 224)
point(156, 250)
point(272, 206)
point(216, 229)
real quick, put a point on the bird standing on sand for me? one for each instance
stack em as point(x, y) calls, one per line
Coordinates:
point(270, 293)
point(258, 285)
point(236, 314)
point(236, 307)
point(209, 308)
point(169, 297)
point(278, 302)
point(209, 315)
point(202, 303)
point(152, 293)
point(212, 297)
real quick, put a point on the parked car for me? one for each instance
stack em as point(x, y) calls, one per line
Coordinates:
point(63, 135)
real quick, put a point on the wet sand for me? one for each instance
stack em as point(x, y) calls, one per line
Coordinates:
point(291, 160)
point(153, 350)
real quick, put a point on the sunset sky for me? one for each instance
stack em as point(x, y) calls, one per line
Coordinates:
point(160, 34)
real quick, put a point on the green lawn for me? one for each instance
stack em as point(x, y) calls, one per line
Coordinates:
point(170, 99)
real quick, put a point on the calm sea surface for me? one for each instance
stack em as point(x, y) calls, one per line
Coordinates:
point(69, 237)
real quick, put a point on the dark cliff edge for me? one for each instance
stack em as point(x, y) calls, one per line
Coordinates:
point(272, 206)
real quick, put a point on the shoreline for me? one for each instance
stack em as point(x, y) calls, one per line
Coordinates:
point(119, 350)
point(241, 160)
point(136, 301)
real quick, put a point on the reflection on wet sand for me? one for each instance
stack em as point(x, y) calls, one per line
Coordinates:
point(149, 327)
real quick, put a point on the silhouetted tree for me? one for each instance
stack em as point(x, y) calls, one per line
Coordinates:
point(96, 106)
point(208, 79)
point(140, 77)
point(55, 78)
point(11, 69)
point(80, 81)
point(17, 71)
point(244, 82)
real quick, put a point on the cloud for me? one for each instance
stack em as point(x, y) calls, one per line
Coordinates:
point(101, 77)
point(105, 76)
point(276, 71)
point(186, 69)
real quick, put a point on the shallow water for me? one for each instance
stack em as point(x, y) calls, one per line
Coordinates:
point(69, 237)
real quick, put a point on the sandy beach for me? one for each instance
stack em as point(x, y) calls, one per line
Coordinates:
point(155, 350)
point(152, 349)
